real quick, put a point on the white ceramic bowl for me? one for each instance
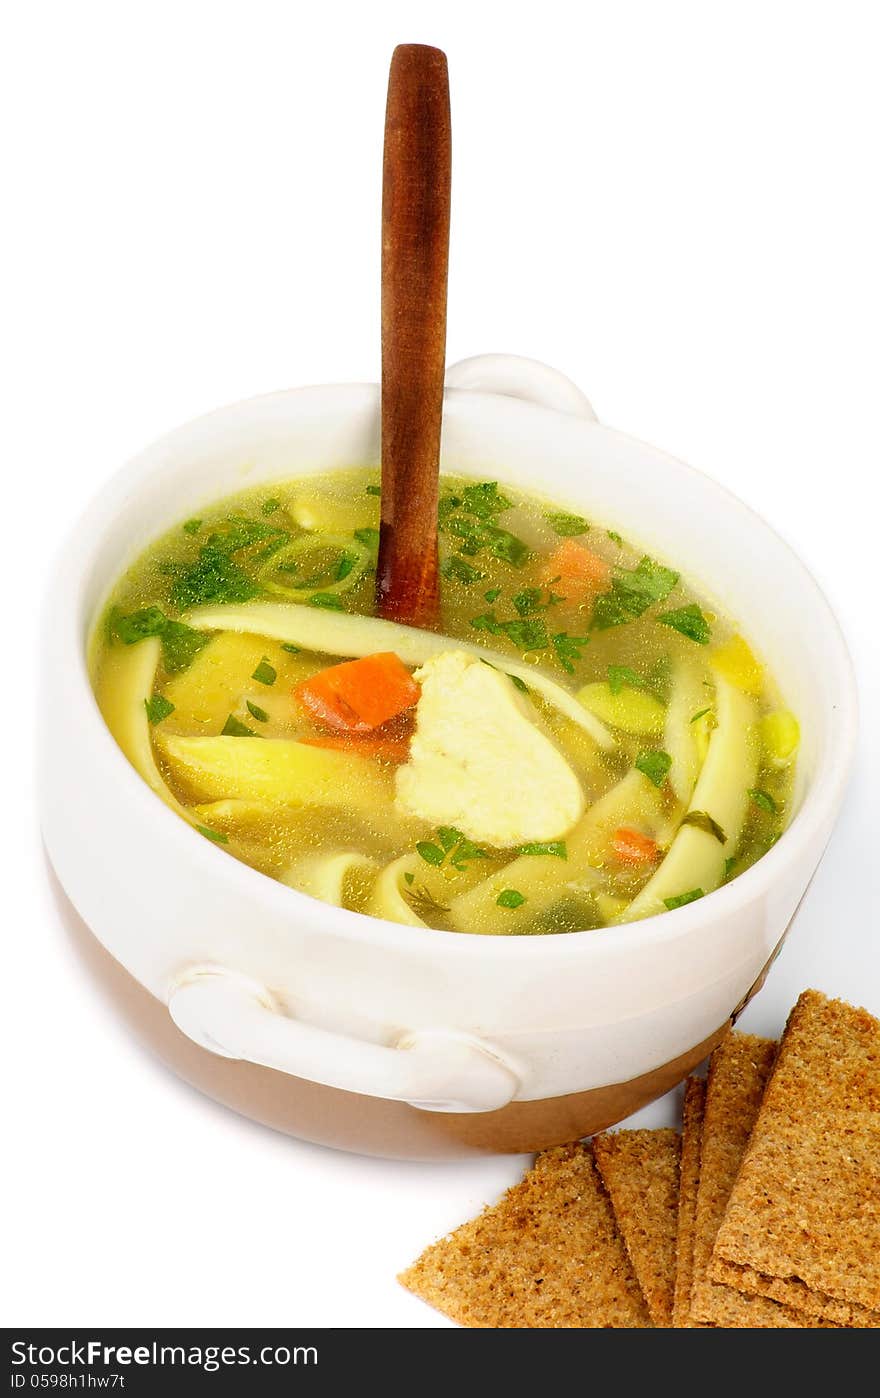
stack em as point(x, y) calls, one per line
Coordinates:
point(429, 1042)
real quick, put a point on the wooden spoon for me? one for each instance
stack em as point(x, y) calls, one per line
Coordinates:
point(415, 259)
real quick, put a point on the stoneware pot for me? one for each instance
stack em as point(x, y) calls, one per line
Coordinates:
point(361, 1033)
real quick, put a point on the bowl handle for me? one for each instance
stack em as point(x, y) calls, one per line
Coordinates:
point(515, 377)
point(437, 1070)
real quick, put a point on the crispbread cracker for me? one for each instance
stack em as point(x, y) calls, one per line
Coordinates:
point(803, 1223)
point(691, 1135)
point(640, 1172)
point(547, 1256)
point(738, 1073)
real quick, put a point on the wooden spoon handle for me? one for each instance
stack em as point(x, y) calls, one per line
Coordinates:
point(415, 259)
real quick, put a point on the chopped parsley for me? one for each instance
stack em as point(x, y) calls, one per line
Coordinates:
point(614, 537)
point(374, 490)
point(269, 507)
point(566, 525)
point(216, 835)
point(554, 847)
point(452, 847)
point(290, 648)
point(633, 591)
point(569, 649)
point(458, 568)
point(158, 707)
point(510, 898)
point(701, 820)
point(192, 526)
point(484, 500)
point(681, 899)
point(729, 866)
point(493, 594)
point(526, 634)
point(654, 765)
point(701, 713)
point(213, 577)
point(763, 800)
point(408, 877)
point(518, 684)
point(619, 675)
point(180, 643)
point(369, 537)
point(689, 621)
point(234, 728)
point(256, 712)
point(532, 599)
point(265, 673)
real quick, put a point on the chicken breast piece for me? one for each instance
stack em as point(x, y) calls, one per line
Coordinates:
point(479, 760)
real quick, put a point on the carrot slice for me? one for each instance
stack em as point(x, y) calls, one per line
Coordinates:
point(578, 569)
point(632, 847)
point(359, 695)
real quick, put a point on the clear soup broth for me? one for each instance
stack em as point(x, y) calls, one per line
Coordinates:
point(586, 743)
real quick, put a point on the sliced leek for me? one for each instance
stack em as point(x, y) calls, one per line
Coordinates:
point(344, 634)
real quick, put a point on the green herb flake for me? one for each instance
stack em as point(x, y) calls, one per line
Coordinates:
point(374, 490)
point(137, 626)
point(509, 548)
point(457, 568)
point(484, 500)
point(256, 712)
point(518, 684)
point(527, 635)
point(566, 525)
point(326, 599)
point(701, 820)
point(681, 899)
point(551, 847)
point(214, 578)
point(688, 621)
point(614, 537)
point(729, 866)
point(216, 835)
point(654, 765)
point(432, 854)
point(620, 675)
point(180, 645)
point(701, 713)
point(368, 537)
point(269, 507)
point(409, 878)
point(527, 601)
point(158, 707)
point(234, 728)
point(763, 800)
point(569, 649)
point(493, 594)
point(265, 673)
point(510, 898)
point(633, 591)
point(192, 526)
point(290, 648)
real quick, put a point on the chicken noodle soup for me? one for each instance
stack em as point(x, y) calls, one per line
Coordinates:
point(584, 742)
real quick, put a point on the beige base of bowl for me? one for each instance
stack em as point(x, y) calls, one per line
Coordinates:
point(346, 1120)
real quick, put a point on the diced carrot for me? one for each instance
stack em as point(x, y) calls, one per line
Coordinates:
point(387, 748)
point(632, 847)
point(578, 570)
point(359, 695)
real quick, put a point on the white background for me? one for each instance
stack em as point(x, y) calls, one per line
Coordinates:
point(676, 204)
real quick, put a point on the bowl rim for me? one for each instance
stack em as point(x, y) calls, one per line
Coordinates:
point(818, 809)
